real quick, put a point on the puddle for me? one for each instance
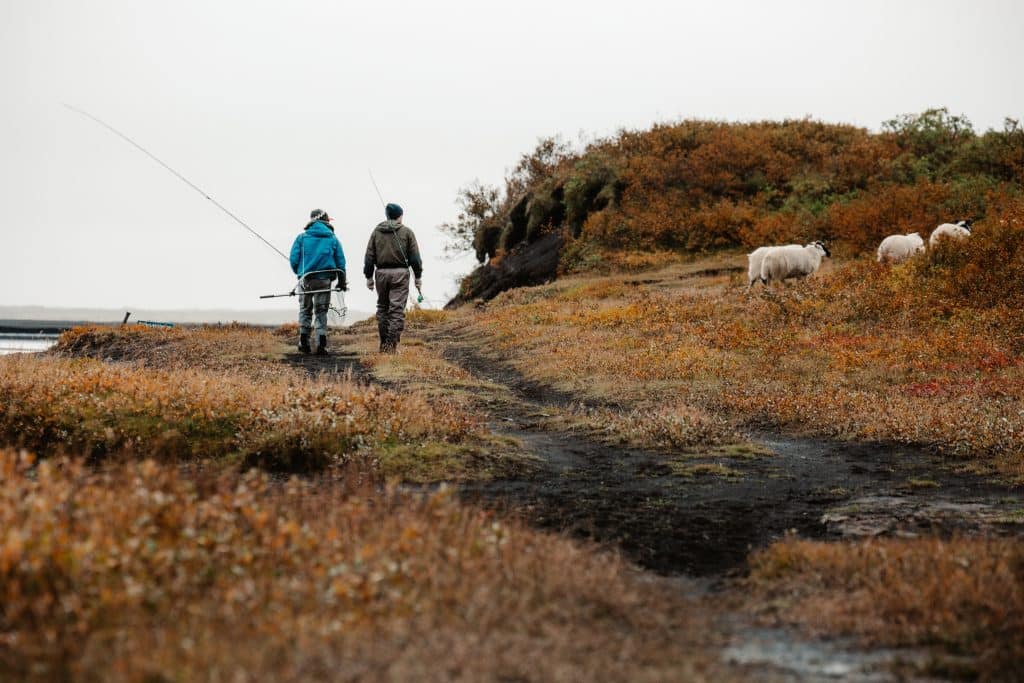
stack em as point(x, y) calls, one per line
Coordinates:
point(810, 661)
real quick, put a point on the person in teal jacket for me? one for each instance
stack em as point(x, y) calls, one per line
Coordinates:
point(317, 258)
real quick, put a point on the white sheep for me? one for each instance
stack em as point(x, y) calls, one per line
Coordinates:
point(792, 261)
point(898, 248)
point(754, 260)
point(959, 230)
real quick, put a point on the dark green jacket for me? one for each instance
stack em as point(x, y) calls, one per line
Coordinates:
point(392, 245)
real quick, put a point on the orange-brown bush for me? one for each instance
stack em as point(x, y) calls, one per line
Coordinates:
point(966, 595)
point(702, 185)
point(212, 347)
point(283, 422)
point(863, 222)
point(139, 573)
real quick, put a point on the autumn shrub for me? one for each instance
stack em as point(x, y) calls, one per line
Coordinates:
point(235, 347)
point(987, 269)
point(697, 186)
point(53, 405)
point(965, 595)
point(862, 222)
point(669, 427)
point(139, 572)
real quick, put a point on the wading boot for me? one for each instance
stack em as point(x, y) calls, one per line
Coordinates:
point(321, 348)
point(304, 343)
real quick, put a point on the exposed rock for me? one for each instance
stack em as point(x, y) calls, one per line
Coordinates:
point(528, 265)
point(909, 517)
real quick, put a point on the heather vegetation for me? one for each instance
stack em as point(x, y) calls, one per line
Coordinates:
point(698, 186)
point(221, 396)
point(139, 572)
point(965, 595)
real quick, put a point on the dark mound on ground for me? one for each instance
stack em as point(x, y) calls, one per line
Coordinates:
point(529, 264)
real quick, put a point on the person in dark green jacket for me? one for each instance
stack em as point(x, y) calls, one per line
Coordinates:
point(391, 252)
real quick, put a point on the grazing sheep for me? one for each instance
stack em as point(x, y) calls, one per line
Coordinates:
point(959, 230)
point(754, 260)
point(792, 261)
point(898, 248)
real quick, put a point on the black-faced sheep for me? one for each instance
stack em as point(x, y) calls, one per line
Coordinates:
point(957, 230)
point(898, 248)
point(791, 261)
point(754, 260)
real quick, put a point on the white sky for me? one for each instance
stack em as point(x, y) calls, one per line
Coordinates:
point(279, 107)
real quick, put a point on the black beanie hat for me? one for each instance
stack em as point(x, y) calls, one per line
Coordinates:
point(318, 215)
point(393, 211)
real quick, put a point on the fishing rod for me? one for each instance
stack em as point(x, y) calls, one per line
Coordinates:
point(374, 181)
point(178, 175)
point(419, 292)
point(341, 309)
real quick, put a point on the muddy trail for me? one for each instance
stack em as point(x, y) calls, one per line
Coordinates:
point(707, 525)
point(698, 531)
point(339, 363)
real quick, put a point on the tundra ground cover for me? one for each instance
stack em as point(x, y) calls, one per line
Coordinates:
point(421, 365)
point(929, 352)
point(965, 595)
point(223, 396)
point(138, 572)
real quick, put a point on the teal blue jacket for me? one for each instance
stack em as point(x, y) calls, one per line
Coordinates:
point(317, 249)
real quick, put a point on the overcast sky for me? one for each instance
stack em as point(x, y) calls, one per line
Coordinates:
point(275, 108)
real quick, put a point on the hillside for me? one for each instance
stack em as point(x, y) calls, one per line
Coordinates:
point(643, 198)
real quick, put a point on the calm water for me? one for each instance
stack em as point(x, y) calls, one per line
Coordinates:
point(25, 343)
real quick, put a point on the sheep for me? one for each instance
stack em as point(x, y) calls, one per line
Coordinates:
point(898, 248)
point(792, 261)
point(959, 230)
point(754, 260)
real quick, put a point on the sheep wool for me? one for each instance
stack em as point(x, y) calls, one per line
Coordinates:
point(754, 260)
point(898, 248)
point(792, 261)
point(958, 230)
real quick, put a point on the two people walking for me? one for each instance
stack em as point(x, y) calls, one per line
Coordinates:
point(318, 259)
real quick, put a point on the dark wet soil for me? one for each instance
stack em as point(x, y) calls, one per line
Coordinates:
point(342, 363)
point(705, 525)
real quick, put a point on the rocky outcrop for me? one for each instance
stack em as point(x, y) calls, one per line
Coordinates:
point(523, 244)
point(530, 264)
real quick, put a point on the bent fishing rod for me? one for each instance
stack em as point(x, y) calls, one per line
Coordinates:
point(178, 175)
point(340, 310)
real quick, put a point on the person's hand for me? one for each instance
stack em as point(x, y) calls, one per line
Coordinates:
point(419, 283)
point(369, 284)
point(342, 286)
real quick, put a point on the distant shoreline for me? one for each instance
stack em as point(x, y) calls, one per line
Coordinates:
point(42, 327)
point(56, 327)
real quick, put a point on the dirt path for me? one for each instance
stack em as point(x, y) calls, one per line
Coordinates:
point(707, 525)
point(704, 525)
point(700, 530)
